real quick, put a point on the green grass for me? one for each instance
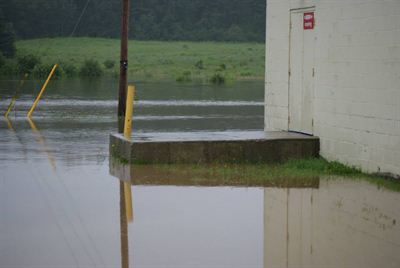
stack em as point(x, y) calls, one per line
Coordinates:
point(298, 173)
point(154, 60)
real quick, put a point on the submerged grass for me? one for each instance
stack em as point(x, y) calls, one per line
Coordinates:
point(296, 173)
point(154, 60)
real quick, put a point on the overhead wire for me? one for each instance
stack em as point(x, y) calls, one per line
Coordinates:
point(80, 18)
point(70, 221)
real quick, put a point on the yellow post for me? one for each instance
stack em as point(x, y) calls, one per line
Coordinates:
point(127, 134)
point(11, 105)
point(128, 112)
point(41, 91)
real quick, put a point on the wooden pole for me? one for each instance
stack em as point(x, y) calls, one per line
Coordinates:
point(123, 79)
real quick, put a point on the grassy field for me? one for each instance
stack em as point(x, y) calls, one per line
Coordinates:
point(153, 60)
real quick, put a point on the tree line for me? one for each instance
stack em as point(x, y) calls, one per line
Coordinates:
point(189, 20)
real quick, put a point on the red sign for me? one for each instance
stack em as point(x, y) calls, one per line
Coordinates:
point(308, 21)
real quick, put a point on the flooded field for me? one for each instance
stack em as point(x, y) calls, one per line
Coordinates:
point(61, 207)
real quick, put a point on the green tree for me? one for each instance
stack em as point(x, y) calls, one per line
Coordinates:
point(198, 20)
point(7, 37)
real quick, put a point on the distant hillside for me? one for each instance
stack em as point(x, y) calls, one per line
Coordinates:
point(196, 20)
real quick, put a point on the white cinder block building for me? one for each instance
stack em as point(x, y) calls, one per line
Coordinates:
point(333, 70)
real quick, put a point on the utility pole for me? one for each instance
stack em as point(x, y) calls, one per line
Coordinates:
point(123, 78)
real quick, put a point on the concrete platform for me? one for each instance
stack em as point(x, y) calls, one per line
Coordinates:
point(213, 147)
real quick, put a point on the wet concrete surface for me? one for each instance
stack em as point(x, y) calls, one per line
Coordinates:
point(217, 136)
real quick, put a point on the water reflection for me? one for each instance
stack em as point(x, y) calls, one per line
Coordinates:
point(59, 207)
point(125, 213)
point(42, 140)
point(203, 176)
point(9, 124)
point(329, 222)
point(15, 134)
point(338, 225)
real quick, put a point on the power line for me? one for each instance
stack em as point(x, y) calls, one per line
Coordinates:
point(80, 17)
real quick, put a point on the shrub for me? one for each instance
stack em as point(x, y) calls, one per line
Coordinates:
point(165, 61)
point(109, 64)
point(246, 73)
point(69, 69)
point(199, 65)
point(243, 63)
point(27, 62)
point(221, 68)
point(217, 79)
point(43, 70)
point(9, 67)
point(185, 77)
point(91, 68)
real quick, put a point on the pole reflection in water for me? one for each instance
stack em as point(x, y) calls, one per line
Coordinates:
point(123, 227)
point(128, 201)
point(126, 215)
point(42, 140)
point(14, 131)
point(9, 124)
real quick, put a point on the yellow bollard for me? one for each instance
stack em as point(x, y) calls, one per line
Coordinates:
point(13, 99)
point(127, 134)
point(129, 111)
point(41, 91)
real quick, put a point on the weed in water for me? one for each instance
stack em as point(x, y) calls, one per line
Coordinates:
point(320, 166)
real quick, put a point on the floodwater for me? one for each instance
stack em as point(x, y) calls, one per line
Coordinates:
point(61, 207)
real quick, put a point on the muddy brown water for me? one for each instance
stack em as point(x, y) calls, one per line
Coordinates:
point(61, 207)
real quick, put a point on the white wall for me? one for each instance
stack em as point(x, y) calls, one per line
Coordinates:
point(357, 80)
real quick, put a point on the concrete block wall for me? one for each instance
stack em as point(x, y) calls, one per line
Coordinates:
point(357, 80)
